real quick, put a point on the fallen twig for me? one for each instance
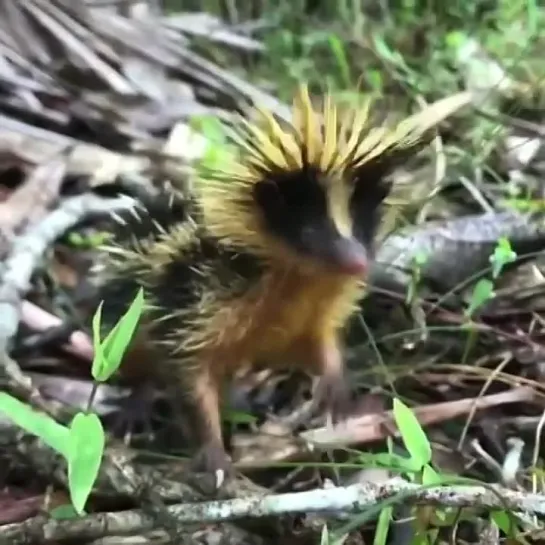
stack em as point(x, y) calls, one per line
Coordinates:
point(377, 426)
point(34, 145)
point(351, 499)
point(262, 450)
point(122, 476)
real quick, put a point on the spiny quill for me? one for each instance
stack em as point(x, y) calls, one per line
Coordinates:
point(329, 142)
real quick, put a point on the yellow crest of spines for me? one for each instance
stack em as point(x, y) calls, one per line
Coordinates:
point(315, 137)
point(331, 139)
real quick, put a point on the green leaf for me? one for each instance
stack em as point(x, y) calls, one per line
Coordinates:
point(89, 241)
point(524, 205)
point(324, 538)
point(508, 523)
point(383, 50)
point(64, 512)
point(430, 476)
point(327, 539)
point(421, 258)
point(116, 342)
point(213, 129)
point(391, 55)
point(99, 367)
point(388, 460)
point(383, 526)
point(455, 39)
point(337, 46)
point(374, 77)
point(503, 255)
point(503, 521)
point(86, 448)
point(239, 417)
point(218, 150)
point(413, 435)
point(53, 434)
point(76, 239)
point(483, 291)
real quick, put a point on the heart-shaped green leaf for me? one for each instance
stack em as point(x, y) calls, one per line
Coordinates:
point(86, 447)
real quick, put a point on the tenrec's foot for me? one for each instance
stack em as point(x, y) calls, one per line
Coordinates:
point(214, 464)
point(333, 394)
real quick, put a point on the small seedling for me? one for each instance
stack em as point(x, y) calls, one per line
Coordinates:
point(82, 442)
point(414, 437)
point(502, 256)
point(482, 292)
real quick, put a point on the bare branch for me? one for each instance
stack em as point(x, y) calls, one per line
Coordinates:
point(351, 499)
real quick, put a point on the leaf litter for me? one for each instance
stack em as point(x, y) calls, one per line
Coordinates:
point(92, 96)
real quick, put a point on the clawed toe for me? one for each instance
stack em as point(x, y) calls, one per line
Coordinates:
point(333, 394)
point(212, 461)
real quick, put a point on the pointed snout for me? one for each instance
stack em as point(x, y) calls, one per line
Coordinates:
point(341, 254)
point(350, 257)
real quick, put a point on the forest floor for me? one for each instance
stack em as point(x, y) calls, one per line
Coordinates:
point(94, 101)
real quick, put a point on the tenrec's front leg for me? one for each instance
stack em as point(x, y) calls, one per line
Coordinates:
point(211, 456)
point(332, 390)
point(324, 358)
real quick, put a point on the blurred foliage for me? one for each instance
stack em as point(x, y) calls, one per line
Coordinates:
point(395, 46)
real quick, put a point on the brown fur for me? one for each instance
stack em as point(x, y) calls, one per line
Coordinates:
point(290, 319)
point(286, 307)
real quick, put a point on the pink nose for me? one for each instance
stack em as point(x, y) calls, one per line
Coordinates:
point(352, 258)
point(348, 256)
point(356, 265)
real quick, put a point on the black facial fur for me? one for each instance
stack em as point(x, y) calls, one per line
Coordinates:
point(294, 209)
point(365, 209)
